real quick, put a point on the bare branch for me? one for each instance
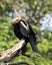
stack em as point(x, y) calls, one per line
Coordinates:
point(8, 54)
point(17, 63)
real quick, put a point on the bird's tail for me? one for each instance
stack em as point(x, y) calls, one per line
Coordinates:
point(33, 45)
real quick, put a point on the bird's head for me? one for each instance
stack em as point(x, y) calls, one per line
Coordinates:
point(22, 20)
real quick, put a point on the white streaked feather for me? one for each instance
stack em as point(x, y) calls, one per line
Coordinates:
point(26, 27)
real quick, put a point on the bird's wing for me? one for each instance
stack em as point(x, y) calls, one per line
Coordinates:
point(31, 30)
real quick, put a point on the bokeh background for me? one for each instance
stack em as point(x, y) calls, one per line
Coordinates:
point(40, 16)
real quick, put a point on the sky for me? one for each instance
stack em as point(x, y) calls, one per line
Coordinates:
point(46, 22)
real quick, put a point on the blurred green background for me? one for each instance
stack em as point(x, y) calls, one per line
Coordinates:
point(35, 10)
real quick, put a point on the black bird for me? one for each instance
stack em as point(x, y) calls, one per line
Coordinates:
point(20, 26)
point(23, 30)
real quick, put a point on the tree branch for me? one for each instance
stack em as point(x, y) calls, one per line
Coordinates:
point(5, 56)
point(17, 63)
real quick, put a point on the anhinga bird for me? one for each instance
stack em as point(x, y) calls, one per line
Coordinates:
point(23, 30)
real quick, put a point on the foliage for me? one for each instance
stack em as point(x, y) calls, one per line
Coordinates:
point(6, 34)
point(35, 10)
